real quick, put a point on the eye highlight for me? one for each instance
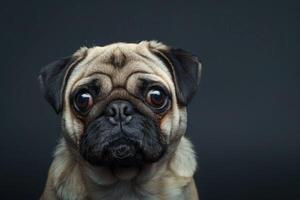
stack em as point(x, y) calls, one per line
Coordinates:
point(83, 102)
point(157, 98)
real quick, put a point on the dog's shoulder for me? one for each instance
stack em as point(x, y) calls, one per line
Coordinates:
point(64, 177)
point(184, 163)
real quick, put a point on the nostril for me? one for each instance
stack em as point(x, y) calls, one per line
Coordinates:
point(110, 112)
point(126, 111)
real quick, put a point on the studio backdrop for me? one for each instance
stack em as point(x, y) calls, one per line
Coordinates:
point(243, 122)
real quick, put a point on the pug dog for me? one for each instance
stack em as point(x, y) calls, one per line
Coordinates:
point(124, 118)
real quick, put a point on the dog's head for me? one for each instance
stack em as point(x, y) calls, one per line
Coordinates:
point(122, 105)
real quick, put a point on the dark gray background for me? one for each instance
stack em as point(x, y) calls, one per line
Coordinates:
point(244, 121)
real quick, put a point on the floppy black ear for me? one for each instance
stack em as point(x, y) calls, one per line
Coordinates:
point(52, 78)
point(185, 69)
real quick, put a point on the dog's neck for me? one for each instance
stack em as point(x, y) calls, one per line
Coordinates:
point(132, 183)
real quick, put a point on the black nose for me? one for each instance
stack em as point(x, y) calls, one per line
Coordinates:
point(119, 111)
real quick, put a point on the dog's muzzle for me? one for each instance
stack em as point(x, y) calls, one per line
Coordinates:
point(121, 136)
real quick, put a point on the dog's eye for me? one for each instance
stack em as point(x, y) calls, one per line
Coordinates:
point(83, 102)
point(157, 98)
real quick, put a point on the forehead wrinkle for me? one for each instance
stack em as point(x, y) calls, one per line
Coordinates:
point(88, 78)
point(150, 77)
point(134, 73)
point(84, 75)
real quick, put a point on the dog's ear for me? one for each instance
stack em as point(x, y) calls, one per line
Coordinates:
point(184, 67)
point(54, 76)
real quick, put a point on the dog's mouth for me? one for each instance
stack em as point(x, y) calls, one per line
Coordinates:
point(122, 153)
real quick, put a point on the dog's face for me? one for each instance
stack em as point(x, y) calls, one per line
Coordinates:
point(122, 105)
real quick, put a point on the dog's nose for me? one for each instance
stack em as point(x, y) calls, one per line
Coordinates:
point(119, 111)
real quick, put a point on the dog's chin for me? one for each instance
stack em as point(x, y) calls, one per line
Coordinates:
point(125, 173)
